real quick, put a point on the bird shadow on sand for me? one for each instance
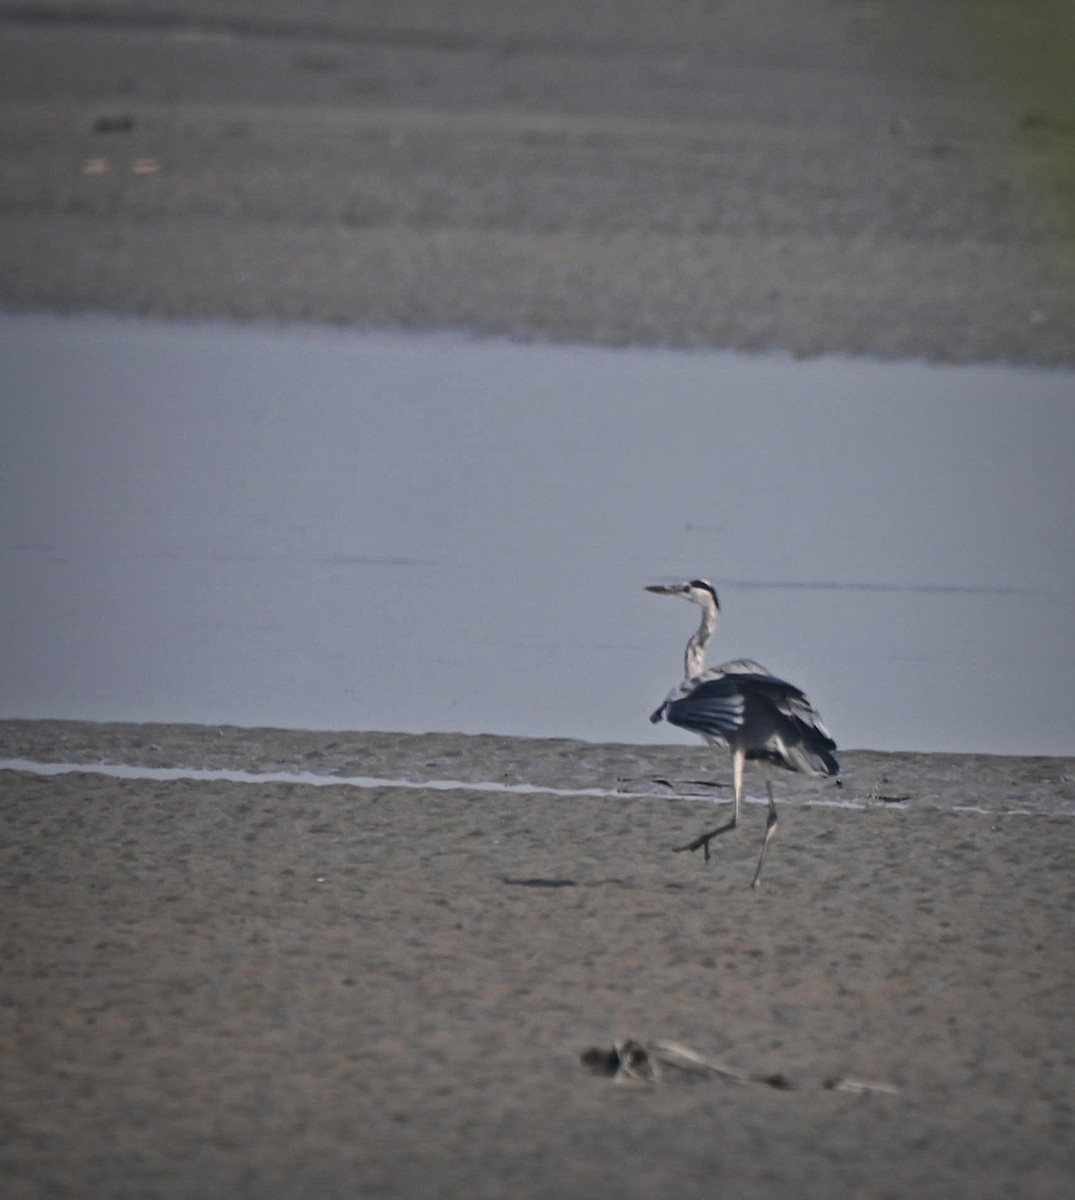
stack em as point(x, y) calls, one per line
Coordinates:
point(552, 883)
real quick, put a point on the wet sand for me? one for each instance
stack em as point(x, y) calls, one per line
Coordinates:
point(242, 990)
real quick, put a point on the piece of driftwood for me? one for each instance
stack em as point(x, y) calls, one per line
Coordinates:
point(635, 1061)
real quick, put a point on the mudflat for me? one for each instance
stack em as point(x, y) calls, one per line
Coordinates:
point(894, 179)
point(245, 989)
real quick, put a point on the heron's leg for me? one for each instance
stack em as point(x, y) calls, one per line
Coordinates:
point(702, 841)
point(739, 760)
point(770, 829)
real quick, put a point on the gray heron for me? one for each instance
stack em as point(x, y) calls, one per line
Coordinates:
point(745, 708)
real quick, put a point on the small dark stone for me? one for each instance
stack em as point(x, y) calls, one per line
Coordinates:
point(114, 123)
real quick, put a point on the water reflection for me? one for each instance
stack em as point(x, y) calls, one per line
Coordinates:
point(318, 529)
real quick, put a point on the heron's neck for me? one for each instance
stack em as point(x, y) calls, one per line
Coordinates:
point(694, 658)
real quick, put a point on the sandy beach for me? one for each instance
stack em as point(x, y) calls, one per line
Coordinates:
point(222, 988)
point(244, 989)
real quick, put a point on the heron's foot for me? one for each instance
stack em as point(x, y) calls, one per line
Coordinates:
point(702, 841)
point(699, 843)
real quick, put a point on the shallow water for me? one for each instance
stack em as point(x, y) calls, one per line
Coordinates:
point(320, 529)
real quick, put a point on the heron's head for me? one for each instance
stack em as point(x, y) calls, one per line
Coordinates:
point(697, 591)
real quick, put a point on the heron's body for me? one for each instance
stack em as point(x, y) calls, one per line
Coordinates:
point(744, 707)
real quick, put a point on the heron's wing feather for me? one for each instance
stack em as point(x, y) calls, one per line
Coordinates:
point(713, 708)
point(738, 666)
point(792, 727)
point(791, 702)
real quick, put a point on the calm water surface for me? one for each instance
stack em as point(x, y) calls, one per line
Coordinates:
point(328, 530)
